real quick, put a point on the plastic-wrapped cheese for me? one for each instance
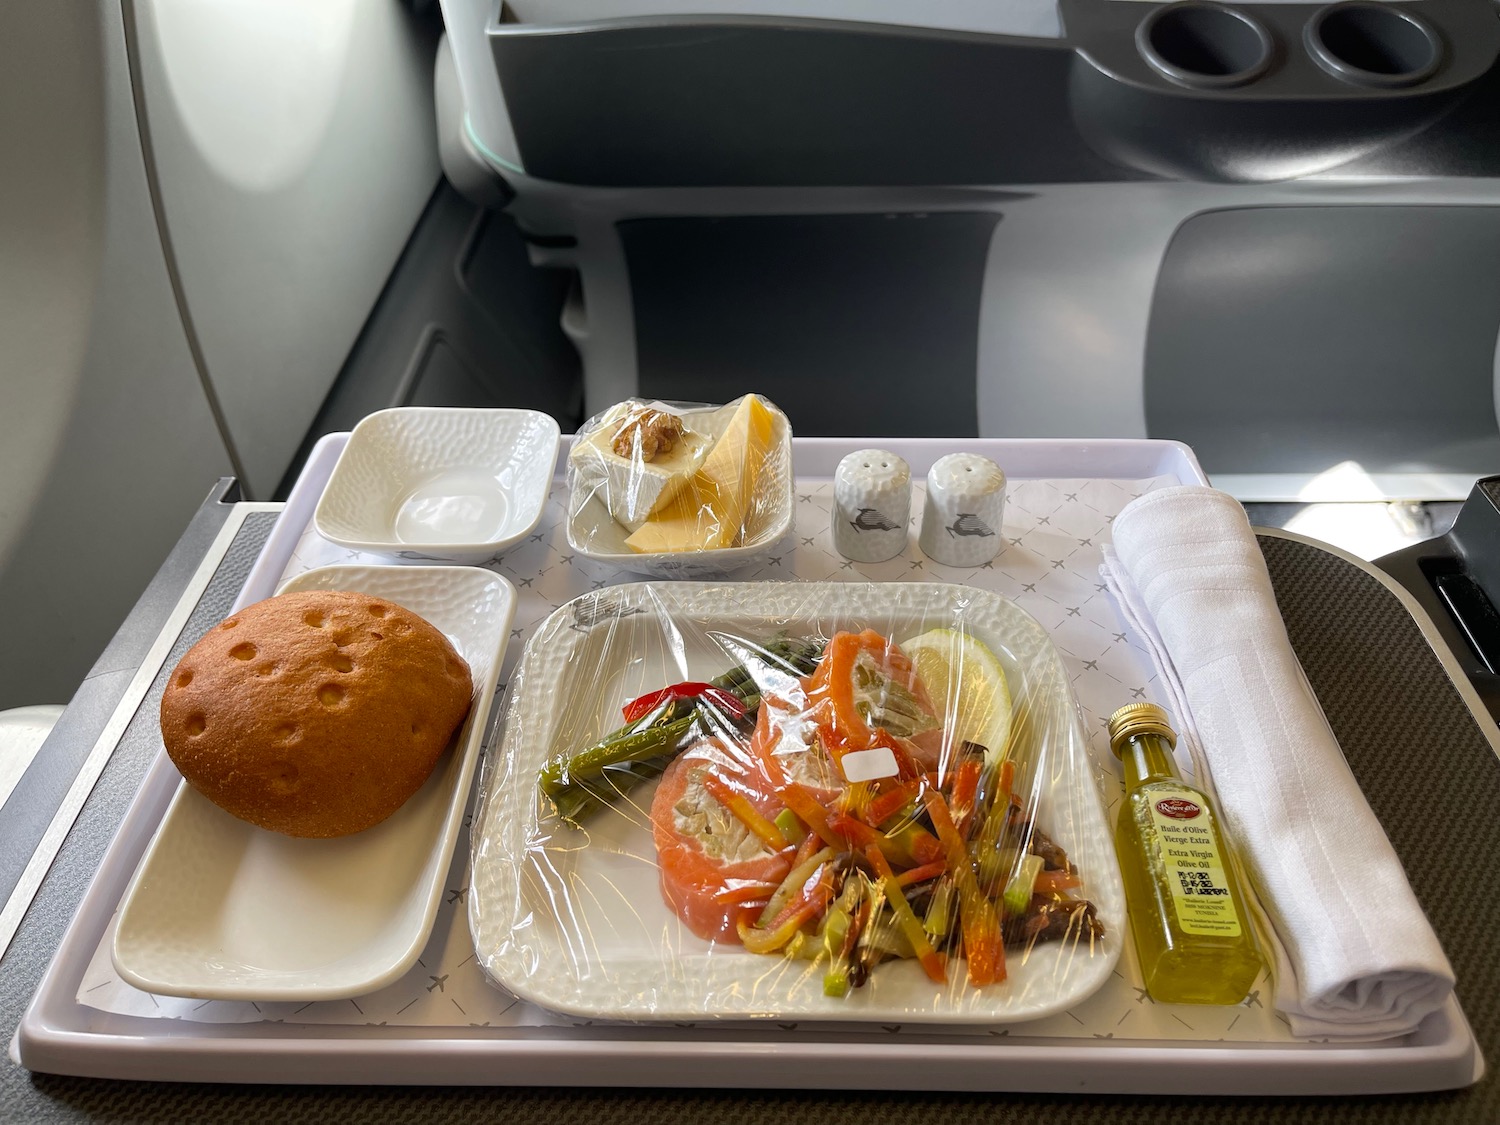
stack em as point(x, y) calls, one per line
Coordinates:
point(631, 487)
point(710, 511)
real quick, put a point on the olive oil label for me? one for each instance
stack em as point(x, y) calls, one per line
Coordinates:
point(1196, 879)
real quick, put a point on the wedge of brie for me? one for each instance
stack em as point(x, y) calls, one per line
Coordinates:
point(632, 488)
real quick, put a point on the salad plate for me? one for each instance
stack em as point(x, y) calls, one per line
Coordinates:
point(221, 909)
point(572, 916)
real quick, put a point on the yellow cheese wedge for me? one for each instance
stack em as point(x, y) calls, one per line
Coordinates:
point(708, 513)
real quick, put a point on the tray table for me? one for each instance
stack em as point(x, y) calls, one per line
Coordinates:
point(66, 1032)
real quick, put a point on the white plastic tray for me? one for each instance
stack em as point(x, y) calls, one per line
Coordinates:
point(60, 1034)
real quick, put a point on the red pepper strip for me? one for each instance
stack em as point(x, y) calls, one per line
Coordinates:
point(726, 701)
point(1055, 882)
point(642, 706)
point(886, 805)
point(744, 812)
point(984, 946)
point(932, 961)
point(921, 874)
point(965, 787)
point(1007, 777)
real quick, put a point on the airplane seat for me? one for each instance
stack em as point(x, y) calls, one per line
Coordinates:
point(1257, 227)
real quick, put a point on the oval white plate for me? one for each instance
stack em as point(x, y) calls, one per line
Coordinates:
point(221, 909)
point(572, 918)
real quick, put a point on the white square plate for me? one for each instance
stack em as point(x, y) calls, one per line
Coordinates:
point(573, 918)
point(222, 909)
point(441, 483)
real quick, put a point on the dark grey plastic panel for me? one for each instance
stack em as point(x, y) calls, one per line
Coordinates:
point(752, 101)
point(1289, 339)
point(852, 324)
point(464, 320)
point(1196, 91)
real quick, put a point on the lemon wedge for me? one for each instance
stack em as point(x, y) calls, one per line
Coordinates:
point(967, 686)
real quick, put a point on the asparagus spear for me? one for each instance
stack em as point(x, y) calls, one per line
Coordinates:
point(582, 798)
point(626, 745)
point(578, 784)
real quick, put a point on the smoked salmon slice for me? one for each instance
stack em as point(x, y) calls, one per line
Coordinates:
point(714, 870)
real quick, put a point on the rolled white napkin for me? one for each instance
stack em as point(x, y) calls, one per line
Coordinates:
point(1358, 958)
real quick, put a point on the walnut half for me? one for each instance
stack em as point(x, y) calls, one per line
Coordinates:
point(647, 434)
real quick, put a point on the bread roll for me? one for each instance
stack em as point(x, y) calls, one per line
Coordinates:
point(316, 713)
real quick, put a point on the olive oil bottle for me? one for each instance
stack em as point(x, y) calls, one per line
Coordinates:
point(1193, 933)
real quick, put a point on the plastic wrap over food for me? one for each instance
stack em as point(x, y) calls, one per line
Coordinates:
point(797, 801)
point(672, 490)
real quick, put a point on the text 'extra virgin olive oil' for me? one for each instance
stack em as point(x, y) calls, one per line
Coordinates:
point(1192, 929)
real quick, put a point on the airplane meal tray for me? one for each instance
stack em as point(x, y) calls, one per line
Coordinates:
point(444, 1024)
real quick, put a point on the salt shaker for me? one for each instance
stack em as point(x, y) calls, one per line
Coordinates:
point(871, 505)
point(965, 507)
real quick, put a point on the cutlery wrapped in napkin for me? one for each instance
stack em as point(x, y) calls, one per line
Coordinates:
point(1357, 958)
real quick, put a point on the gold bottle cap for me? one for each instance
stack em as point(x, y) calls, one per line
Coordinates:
point(1139, 718)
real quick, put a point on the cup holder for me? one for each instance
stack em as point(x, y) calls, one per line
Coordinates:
point(1206, 46)
point(1373, 45)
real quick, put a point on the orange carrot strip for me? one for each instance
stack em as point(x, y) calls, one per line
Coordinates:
point(965, 787)
point(920, 844)
point(984, 947)
point(802, 802)
point(856, 797)
point(1007, 777)
point(921, 874)
point(859, 835)
point(886, 805)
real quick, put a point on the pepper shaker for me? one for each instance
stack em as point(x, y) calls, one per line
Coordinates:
point(871, 505)
point(964, 510)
